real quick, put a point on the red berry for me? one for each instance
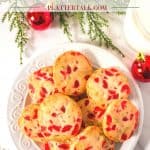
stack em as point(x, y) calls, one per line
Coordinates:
point(141, 68)
point(38, 17)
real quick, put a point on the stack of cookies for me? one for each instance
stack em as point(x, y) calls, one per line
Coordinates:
point(75, 107)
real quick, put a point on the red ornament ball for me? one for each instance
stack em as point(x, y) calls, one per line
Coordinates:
point(38, 17)
point(141, 68)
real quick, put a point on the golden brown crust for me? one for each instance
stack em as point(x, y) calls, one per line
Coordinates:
point(61, 116)
point(120, 120)
point(71, 71)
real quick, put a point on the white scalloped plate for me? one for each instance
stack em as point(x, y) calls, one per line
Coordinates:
point(98, 56)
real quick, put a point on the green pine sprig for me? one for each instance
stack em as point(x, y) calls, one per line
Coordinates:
point(64, 23)
point(95, 22)
point(18, 21)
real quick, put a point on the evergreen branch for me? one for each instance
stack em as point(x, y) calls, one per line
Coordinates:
point(18, 21)
point(94, 30)
point(81, 18)
point(64, 24)
point(5, 16)
point(96, 23)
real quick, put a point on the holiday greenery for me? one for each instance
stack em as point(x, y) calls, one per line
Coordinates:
point(18, 21)
point(96, 23)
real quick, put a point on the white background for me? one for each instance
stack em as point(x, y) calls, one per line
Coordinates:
point(40, 41)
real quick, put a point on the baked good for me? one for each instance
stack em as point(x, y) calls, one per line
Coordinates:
point(41, 84)
point(92, 138)
point(106, 84)
point(29, 124)
point(56, 145)
point(92, 112)
point(71, 71)
point(120, 120)
point(61, 115)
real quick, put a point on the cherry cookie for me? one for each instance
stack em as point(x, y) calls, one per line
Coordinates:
point(71, 71)
point(92, 112)
point(92, 138)
point(29, 124)
point(120, 120)
point(41, 84)
point(61, 115)
point(56, 145)
point(107, 84)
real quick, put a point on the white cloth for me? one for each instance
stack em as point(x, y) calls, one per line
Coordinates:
point(9, 67)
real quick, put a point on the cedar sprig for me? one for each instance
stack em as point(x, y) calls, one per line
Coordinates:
point(64, 23)
point(18, 21)
point(96, 24)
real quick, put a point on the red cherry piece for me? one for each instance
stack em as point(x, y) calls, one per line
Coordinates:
point(109, 119)
point(115, 96)
point(75, 53)
point(82, 138)
point(89, 148)
point(54, 114)
point(40, 135)
point(68, 69)
point(75, 68)
point(103, 144)
point(108, 129)
point(108, 73)
point(50, 128)
point(76, 130)
point(56, 91)
point(105, 84)
point(35, 116)
point(96, 109)
point(47, 146)
point(125, 88)
point(111, 91)
point(40, 100)
point(66, 128)
point(96, 80)
point(123, 104)
point(99, 111)
point(38, 17)
point(125, 119)
point(124, 137)
point(43, 128)
point(86, 77)
point(56, 128)
point(43, 92)
point(114, 70)
point(63, 109)
point(27, 118)
point(47, 134)
point(76, 84)
point(114, 127)
point(131, 116)
point(86, 102)
point(63, 88)
point(64, 146)
point(79, 119)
